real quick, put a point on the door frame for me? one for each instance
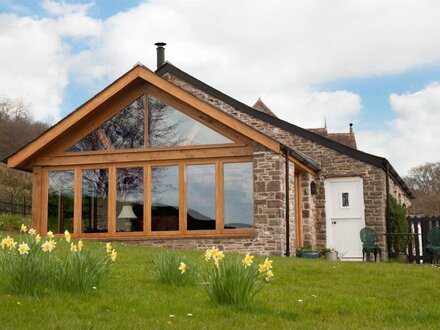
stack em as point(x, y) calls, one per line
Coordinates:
point(327, 182)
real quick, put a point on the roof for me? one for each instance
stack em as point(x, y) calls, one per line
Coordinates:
point(260, 106)
point(376, 161)
point(347, 139)
point(139, 73)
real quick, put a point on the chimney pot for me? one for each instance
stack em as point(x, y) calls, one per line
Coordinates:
point(351, 127)
point(160, 53)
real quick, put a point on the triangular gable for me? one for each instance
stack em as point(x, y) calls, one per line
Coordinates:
point(143, 74)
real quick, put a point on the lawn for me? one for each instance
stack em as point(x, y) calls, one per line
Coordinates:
point(304, 294)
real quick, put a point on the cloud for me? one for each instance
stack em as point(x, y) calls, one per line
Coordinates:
point(62, 8)
point(411, 139)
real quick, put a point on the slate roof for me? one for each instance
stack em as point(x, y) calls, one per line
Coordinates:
point(347, 139)
point(377, 161)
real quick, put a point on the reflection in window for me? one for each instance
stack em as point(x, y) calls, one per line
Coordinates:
point(60, 201)
point(165, 198)
point(95, 201)
point(238, 195)
point(169, 127)
point(125, 130)
point(129, 199)
point(345, 199)
point(200, 197)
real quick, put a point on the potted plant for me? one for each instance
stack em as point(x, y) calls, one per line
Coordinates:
point(307, 252)
point(330, 254)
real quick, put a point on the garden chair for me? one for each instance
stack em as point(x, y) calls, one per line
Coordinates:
point(369, 244)
point(433, 246)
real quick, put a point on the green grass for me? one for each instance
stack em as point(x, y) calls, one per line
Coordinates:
point(333, 294)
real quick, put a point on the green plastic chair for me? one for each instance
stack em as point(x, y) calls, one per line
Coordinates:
point(433, 246)
point(369, 244)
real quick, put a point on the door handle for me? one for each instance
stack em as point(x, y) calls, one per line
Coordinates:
point(334, 222)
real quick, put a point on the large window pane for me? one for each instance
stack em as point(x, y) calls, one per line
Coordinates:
point(95, 201)
point(238, 195)
point(60, 201)
point(201, 197)
point(170, 127)
point(125, 130)
point(165, 198)
point(129, 199)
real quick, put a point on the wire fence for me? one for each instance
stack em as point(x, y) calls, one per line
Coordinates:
point(16, 204)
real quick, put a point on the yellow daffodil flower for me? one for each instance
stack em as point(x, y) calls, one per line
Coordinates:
point(220, 255)
point(217, 262)
point(182, 267)
point(46, 247)
point(80, 245)
point(208, 255)
point(52, 244)
point(32, 232)
point(268, 263)
point(113, 255)
point(50, 234)
point(23, 229)
point(10, 243)
point(23, 248)
point(38, 238)
point(73, 247)
point(109, 247)
point(269, 275)
point(2, 244)
point(248, 260)
point(261, 268)
point(67, 236)
point(214, 252)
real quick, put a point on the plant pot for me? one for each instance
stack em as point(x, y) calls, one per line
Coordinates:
point(331, 255)
point(310, 254)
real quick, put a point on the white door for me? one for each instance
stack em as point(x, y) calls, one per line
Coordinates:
point(344, 206)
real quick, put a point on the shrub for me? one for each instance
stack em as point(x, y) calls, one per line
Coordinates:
point(28, 266)
point(234, 282)
point(398, 225)
point(12, 222)
point(167, 267)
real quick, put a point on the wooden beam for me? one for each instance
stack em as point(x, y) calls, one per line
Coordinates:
point(301, 167)
point(36, 197)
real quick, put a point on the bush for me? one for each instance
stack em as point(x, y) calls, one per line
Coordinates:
point(28, 266)
point(12, 223)
point(166, 267)
point(398, 225)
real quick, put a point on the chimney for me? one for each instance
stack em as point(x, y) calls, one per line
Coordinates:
point(351, 128)
point(160, 53)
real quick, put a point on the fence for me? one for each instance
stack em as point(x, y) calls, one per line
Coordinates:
point(15, 204)
point(419, 228)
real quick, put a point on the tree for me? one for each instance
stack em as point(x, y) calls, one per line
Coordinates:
point(424, 180)
point(17, 128)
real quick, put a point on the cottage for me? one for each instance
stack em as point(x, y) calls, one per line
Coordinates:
point(162, 159)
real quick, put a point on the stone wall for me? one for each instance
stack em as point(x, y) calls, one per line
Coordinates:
point(333, 164)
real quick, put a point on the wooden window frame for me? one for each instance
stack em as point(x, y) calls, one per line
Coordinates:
point(147, 233)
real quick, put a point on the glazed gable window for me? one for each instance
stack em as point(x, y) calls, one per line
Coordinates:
point(148, 122)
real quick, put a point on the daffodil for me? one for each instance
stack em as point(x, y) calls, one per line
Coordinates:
point(67, 236)
point(10, 243)
point(248, 260)
point(261, 268)
point(80, 245)
point(73, 247)
point(23, 248)
point(2, 244)
point(48, 246)
point(32, 232)
point(109, 247)
point(208, 255)
point(113, 255)
point(269, 275)
point(23, 229)
point(220, 255)
point(214, 252)
point(268, 263)
point(217, 262)
point(50, 234)
point(38, 238)
point(182, 267)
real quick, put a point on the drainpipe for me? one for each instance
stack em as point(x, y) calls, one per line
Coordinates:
point(286, 157)
point(388, 215)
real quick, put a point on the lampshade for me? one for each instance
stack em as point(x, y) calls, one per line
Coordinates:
point(127, 212)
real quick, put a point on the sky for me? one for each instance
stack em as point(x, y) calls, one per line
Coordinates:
point(375, 63)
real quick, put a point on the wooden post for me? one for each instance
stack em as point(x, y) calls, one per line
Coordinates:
point(36, 197)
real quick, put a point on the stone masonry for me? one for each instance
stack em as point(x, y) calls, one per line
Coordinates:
point(333, 164)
